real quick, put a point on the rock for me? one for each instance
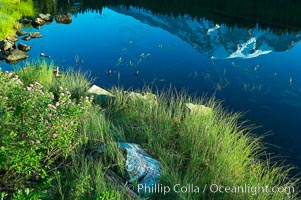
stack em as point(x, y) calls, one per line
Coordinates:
point(140, 167)
point(37, 22)
point(145, 98)
point(12, 38)
point(24, 47)
point(101, 95)
point(21, 33)
point(26, 38)
point(46, 17)
point(6, 45)
point(64, 19)
point(16, 55)
point(194, 108)
point(35, 35)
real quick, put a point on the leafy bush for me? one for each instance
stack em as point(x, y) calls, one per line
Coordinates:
point(36, 129)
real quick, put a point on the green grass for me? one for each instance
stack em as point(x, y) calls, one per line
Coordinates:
point(40, 71)
point(193, 147)
point(76, 81)
point(10, 12)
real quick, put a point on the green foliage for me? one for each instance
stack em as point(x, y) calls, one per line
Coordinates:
point(45, 137)
point(36, 71)
point(35, 128)
point(28, 194)
point(106, 195)
point(85, 178)
point(10, 12)
point(76, 81)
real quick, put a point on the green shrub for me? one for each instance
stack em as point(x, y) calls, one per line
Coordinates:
point(35, 129)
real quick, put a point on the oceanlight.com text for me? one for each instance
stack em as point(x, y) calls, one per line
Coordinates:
point(212, 188)
point(250, 189)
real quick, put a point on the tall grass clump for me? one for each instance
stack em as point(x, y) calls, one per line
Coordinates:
point(76, 81)
point(40, 71)
point(200, 149)
point(10, 12)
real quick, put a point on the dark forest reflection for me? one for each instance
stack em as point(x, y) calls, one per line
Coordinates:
point(279, 15)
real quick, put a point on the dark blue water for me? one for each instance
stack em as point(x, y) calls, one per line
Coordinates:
point(252, 70)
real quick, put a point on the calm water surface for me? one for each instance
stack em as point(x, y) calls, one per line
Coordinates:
point(249, 62)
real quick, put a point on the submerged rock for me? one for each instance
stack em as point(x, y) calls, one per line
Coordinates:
point(2, 57)
point(24, 47)
point(16, 55)
point(25, 21)
point(194, 108)
point(35, 35)
point(64, 19)
point(101, 95)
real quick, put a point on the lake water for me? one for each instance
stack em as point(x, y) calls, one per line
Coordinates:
point(248, 56)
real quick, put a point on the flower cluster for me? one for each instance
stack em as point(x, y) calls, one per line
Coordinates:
point(36, 127)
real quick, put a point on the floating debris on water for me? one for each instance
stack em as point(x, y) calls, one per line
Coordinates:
point(120, 59)
point(109, 72)
point(131, 63)
point(291, 80)
point(44, 55)
point(234, 64)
